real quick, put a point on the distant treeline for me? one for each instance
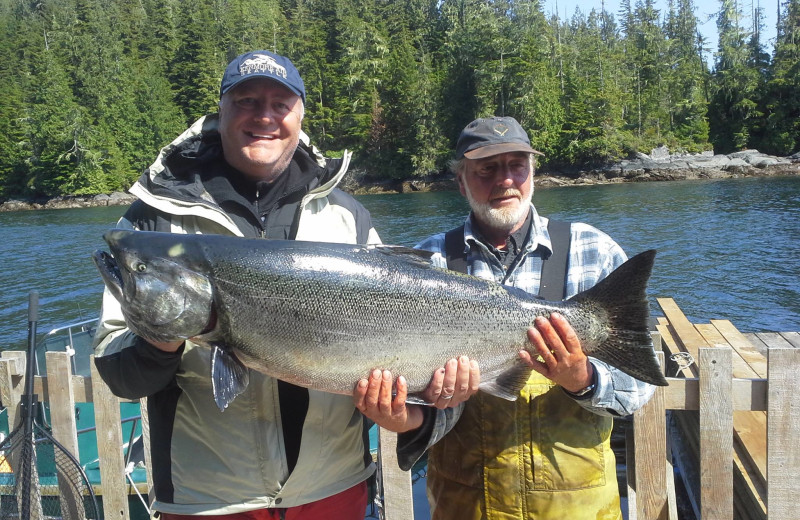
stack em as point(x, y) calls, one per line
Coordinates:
point(93, 88)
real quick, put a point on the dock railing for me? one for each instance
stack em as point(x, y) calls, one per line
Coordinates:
point(62, 390)
point(729, 419)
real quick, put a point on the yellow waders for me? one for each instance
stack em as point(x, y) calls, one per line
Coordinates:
point(542, 457)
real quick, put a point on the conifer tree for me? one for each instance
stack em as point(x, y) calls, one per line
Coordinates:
point(60, 133)
point(94, 88)
point(14, 131)
point(782, 132)
point(592, 97)
point(733, 107)
point(470, 59)
point(306, 45)
point(361, 64)
point(687, 79)
point(534, 94)
point(199, 60)
point(410, 141)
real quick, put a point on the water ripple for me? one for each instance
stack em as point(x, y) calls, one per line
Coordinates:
point(727, 249)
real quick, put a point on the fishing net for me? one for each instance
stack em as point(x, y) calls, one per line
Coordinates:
point(40, 479)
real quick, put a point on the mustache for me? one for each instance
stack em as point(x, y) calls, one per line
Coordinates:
point(505, 192)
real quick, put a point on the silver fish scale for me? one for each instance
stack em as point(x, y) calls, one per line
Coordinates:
point(325, 315)
point(325, 319)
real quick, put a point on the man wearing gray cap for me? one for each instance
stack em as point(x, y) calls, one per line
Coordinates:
point(547, 455)
point(277, 450)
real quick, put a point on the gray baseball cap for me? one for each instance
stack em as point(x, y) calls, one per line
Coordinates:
point(492, 136)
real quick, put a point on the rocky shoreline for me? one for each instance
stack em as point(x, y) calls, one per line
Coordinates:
point(660, 165)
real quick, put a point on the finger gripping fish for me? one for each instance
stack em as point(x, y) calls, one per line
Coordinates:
point(324, 315)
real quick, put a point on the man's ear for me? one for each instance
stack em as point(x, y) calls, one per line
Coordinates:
point(460, 180)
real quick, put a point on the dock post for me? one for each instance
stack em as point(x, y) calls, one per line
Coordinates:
point(399, 503)
point(716, 433)
point(783, 430)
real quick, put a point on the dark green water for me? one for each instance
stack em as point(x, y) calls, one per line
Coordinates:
point(728, 249)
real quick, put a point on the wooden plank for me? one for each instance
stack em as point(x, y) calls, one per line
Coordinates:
point(783, 430)
point(759, 345)
point(62, 419)
point(81, 387)
point(716, 434)
point(672, 502)
point(737, 340)
point(750, 504)
point(684, 394)
point(650, 441)
point(673, 350)
point(687, 335)
point(792, 337)
point(11, 388)
point(18, 358)
point(630, 457)
point(713, 336)
point(398, 502)
point(109, 449)
point(148, 464)
point(749, 428)
point(774, 339)
point(750, 431)
point(685, 455)
point(62, 400)
point(750, 467)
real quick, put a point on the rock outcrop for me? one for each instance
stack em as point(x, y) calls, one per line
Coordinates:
point(72, 201)
point(660, 165)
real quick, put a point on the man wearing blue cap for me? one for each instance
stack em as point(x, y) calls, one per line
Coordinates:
point(278, 450)
point(547, 455)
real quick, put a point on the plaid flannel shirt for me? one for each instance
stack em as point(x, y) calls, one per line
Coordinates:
point(593, 255)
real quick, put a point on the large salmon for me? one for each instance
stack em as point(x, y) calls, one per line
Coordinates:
point(323, 315)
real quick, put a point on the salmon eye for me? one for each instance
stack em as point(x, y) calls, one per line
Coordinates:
point(140, 267)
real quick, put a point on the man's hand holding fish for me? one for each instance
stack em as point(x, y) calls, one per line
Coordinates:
point(384, 402)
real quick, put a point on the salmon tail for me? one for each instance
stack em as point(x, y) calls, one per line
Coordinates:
point(622, 297)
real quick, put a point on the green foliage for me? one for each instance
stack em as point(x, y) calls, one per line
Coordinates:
point(94, 88)
point(782, 132)
point(735, 100)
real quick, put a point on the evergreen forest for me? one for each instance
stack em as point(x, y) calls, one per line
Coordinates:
point(93, 88)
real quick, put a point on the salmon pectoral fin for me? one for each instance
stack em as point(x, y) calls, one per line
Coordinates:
point(229, 377)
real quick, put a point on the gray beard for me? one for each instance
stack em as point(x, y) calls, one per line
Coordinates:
point(500, 219)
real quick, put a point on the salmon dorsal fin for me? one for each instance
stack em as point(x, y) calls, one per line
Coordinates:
point(416, 257)
point(508, 383)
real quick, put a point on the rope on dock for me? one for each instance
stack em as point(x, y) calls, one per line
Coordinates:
point(683, 360)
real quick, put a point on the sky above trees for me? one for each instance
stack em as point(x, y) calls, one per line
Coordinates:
point(707, 12)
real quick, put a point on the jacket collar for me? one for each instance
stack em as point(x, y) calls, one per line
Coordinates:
point(173, 182)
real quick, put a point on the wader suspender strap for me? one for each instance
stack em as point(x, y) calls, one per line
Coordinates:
point(455, 250)
point(554, 268)
point(553, 281)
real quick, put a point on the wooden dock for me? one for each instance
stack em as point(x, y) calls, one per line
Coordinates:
point(751, 379)
point(729, 420)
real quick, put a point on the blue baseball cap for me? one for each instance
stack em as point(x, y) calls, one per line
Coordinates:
point(492, 136)
point(263, 64)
